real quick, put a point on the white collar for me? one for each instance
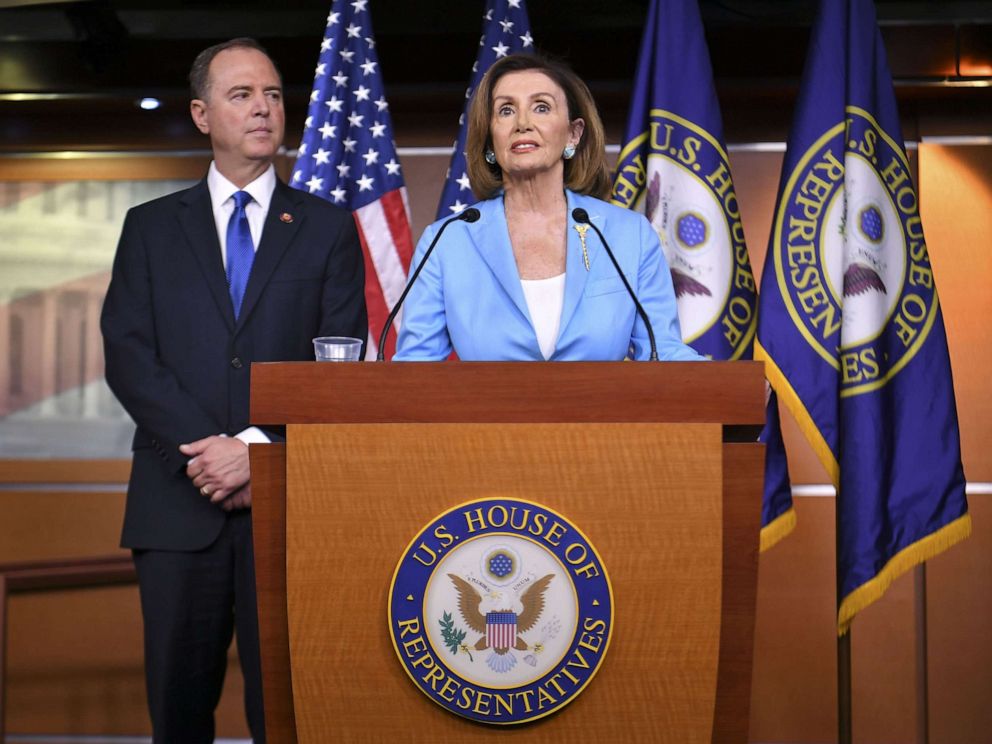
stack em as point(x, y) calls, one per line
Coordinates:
point(260, 189)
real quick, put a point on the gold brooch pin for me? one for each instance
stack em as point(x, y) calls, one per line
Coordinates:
point(286, 217)
point(582, 230)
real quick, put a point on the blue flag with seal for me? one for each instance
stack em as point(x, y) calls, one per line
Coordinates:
point(850, 325)
point(675, 170)
point(505, 30)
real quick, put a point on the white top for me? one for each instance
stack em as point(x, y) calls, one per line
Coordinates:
point(222, 200)
point(545, 298)
point(222, 194)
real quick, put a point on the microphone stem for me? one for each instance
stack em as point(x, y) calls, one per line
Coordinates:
point(630, 291)
point(381, 355)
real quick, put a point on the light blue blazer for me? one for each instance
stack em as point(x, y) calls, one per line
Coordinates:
point(468, 298)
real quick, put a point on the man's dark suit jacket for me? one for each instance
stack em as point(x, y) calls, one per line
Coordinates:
point(179, 362)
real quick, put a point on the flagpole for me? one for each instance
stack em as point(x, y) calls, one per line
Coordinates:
point(922, 668)
point(844, 728)
point(844, 688)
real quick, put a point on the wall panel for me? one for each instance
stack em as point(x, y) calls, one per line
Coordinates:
point(75, 657)
point(956, 206)
point(79, 652)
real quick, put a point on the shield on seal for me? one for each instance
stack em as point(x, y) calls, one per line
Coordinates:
point(501, 630)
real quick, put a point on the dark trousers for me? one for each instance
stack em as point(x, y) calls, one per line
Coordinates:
point(192, 603)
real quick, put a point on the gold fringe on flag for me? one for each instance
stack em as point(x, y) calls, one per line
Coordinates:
point(792, 401)
point(922, 550)
point(777, 529)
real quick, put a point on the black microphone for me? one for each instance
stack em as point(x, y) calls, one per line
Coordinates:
point(468, 215)
point(582, 217)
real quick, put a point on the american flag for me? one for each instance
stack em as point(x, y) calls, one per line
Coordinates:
point(501, 629)
point(505, 30)
point(348, 156)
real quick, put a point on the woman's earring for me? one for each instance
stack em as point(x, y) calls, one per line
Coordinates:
point(490, 157)
point(569, 152)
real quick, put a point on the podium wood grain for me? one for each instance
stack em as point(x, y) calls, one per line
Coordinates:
point(648, 496)
point(729, 395)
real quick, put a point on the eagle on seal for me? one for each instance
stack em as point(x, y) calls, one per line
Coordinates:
point(686, 285)
point(500, 628)
point(859, 279)
point(681, 282)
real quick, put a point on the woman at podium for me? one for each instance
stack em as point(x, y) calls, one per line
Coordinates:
point(529, 278)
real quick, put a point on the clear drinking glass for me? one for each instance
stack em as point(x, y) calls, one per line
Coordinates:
point(337, 349)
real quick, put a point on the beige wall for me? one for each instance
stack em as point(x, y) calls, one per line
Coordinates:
point(74, 660)
point(956, 206)
point(75, 657)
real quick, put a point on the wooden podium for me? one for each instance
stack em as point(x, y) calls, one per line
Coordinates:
point(658, 464)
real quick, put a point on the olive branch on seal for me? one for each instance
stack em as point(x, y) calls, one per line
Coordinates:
point(453, 637)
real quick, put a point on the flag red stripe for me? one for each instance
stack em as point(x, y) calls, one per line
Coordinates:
point(399, 225)
point(374, 298)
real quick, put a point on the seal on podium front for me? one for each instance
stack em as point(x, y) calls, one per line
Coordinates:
point(501, 611)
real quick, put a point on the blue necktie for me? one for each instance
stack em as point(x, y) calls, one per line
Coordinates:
point(240, 251)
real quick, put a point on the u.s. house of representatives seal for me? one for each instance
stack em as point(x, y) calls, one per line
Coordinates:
point(854, 269)
point(678, 175)
point(501, 611)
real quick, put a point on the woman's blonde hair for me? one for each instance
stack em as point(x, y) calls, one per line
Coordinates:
point(585, 173)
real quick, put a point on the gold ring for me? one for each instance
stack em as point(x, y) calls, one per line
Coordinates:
point(204, 491)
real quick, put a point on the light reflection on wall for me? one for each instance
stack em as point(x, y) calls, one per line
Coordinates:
point(956, 207)
point(57, 246)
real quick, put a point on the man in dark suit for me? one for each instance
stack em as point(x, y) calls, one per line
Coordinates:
point(238, 269)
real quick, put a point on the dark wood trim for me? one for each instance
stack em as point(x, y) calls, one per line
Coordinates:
point(581, 392)
point(109, 167)
point(743, 479)
point(54, 575)
point(268, 518)
point(65, 471)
